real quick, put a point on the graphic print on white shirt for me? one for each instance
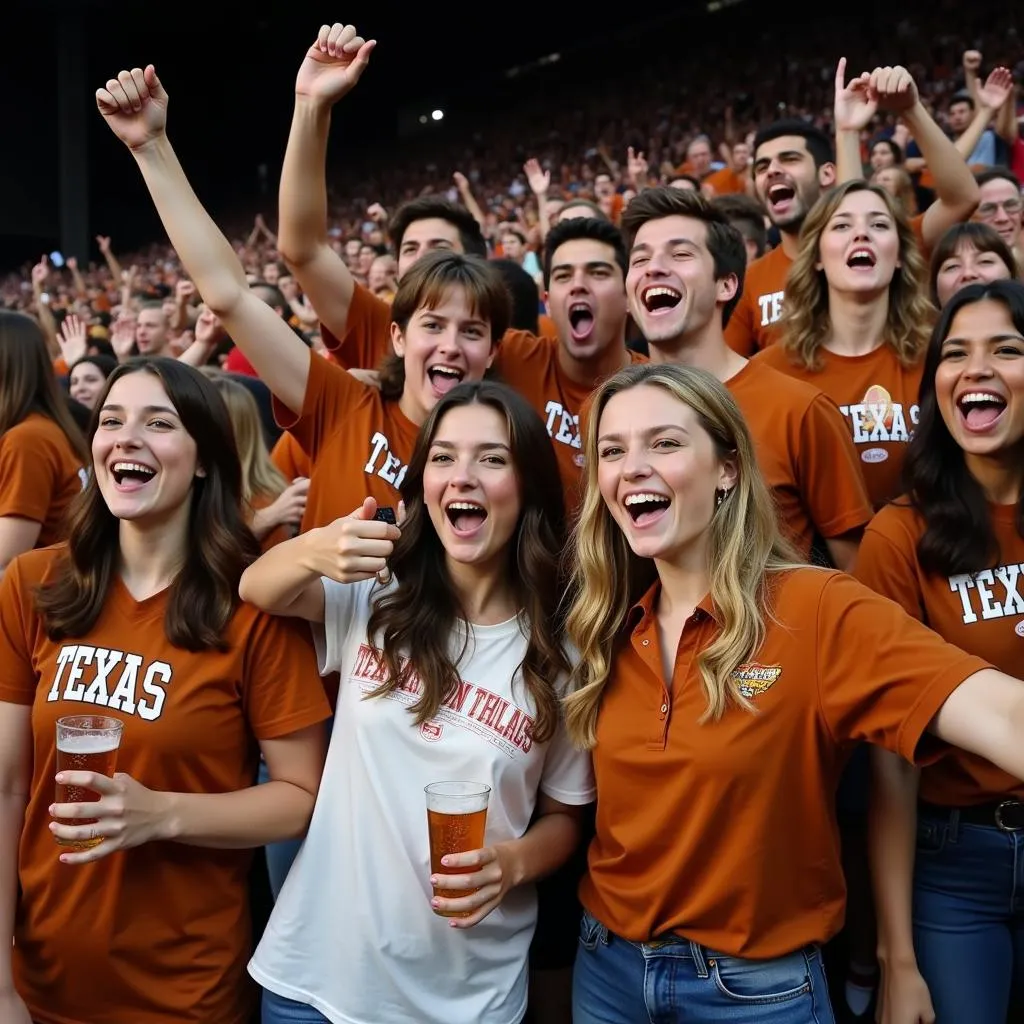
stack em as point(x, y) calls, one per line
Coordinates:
point(352, 933)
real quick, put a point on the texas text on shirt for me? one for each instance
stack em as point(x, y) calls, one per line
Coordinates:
point(358, 443)
point(754, 323)
point(96, 936)
point(724, 881)
point(40, 475)
point(381, 954)
point(530, 365)
point(878, 396)
point(805, 454)
point(983, 614)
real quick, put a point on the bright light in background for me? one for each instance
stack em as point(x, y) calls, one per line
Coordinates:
point(437, 114)
point(423, 118)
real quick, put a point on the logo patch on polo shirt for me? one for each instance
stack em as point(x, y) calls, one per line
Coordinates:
point(755, 679)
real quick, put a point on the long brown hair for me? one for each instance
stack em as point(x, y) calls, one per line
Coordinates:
point(425, 286)
point(204, 594)
point(27, 382)
point(806, 319)
point(420, 613)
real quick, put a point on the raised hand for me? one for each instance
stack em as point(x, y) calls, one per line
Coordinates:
point(73, 338)
point(538, 179)
point(893, 89)
point(461, 182)
point(122, 336)
point(997, 88)
point(636, 168)
point(134, 105)
point(376, 213)
point(354, 548)
point(103, 241)
point(40, 272)
point(291, 503)
point(854, 105)
point(184, 291)
point(209, 329)
point(333, 64)
point(71, 263)
point(972, 60)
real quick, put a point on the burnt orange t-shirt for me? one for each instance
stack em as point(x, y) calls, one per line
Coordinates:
point(291, 461)
point(358, 443)
point(982, 613)
point(158, 934)
point(878, 395)
point(726, 182)
point(40, 475)
point(754, 323)
point(805, 455)
point(725, 832)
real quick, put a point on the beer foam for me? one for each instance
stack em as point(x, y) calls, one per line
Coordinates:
point(87, 744)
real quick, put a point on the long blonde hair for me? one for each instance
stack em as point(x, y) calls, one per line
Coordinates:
point(260, 477)
point(607, 578)
point(806, 322)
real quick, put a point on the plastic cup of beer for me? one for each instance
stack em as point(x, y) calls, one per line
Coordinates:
point(85, 743)
point(456, 819)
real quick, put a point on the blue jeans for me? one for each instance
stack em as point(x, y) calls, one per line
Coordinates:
point(279, 855)
point(675, 981)
point(278, 1010)
point(968, 916)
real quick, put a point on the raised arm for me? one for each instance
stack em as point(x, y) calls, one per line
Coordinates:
point(991, 97)
point(135, 107)
point(854, 109)
point(330, 69)
point(956, 191)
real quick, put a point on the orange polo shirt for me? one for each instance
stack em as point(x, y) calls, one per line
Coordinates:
point(982, 613)
point(725, 832)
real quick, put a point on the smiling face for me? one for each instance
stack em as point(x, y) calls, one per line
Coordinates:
point(859, 245)
point(144, 460)
point(658, 473)
point(671, 280)
point(85, 384)
point(786, 180)
point(471, 487)
point(587, 297)
point(968, 266)
point(423, 236)
point(440, 348)
point(979, 382)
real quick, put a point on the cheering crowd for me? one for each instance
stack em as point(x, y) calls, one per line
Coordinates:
point(564, 489)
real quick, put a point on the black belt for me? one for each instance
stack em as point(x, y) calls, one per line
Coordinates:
point(1005, 815)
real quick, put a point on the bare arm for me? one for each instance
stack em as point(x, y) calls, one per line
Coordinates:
point(103, 241)
point(331, 67)
point(278, 355)
point(15, 775)
point(540, 184)
point(284, 582)
point(469, 200)
point(17, 536)
point(854, 108)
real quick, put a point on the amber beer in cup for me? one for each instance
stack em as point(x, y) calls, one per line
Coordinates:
point(85, 743)
point(456, 818)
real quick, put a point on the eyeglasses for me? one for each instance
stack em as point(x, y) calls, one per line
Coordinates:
point(1011, 206)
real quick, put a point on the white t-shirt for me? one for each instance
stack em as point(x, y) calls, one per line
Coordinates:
point(352, 933)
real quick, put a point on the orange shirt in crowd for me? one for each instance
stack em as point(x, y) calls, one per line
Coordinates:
point(982, 613)
point(546, 327)
point(525, 362)
point(40, 475)
point(160, 932)
point(726, 182)
point(724, 832)
point(754, 323)
point(805, 454)
point(292, 462)
point(359, 445)
point(878, 395)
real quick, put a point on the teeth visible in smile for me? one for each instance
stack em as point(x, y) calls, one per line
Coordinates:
point(981, 396)
point(131, 467)
point(447, 371)
point(466, 506)
point(638, 499)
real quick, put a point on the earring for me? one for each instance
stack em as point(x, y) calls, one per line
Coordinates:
point(720, 496)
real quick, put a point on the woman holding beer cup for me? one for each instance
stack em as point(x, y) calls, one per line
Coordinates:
point(721, 687)
point(451, 671)
point(132, 907)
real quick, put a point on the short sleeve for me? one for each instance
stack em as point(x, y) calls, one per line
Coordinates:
point(18, 680)
point(290, 460)
point(568, 772)
point(739, 331)
point(882, 676)
point(346, 607)
point(887, 563)
point(829, 474)
point(331, 394)
point(367, 336)
point(283, 691)
point(29, 474)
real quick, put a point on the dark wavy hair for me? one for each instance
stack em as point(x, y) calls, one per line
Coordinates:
point(204, 594)
point(419, 614)
point(958, 535)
